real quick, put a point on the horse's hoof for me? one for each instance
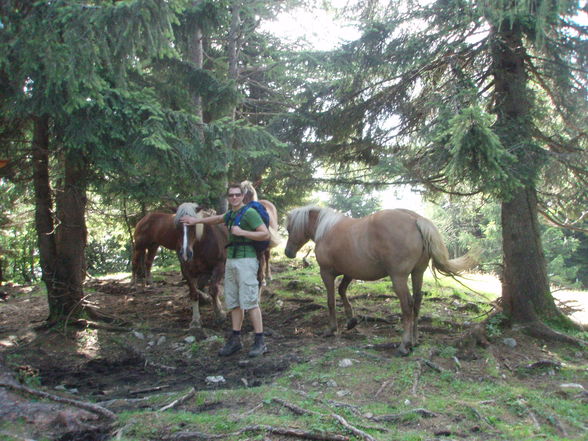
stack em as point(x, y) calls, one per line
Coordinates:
point(352, 323)
point(402, 351)
point(198, 332)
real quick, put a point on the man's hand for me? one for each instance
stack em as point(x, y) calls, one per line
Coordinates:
point(237, 231)
point(188, 220)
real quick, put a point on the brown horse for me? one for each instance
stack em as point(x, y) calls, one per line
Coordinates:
point(395, 243)
point(151, 232)
point(250, 193)
point(202, 256)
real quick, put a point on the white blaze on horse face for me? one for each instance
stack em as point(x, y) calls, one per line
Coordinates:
point(184, 251)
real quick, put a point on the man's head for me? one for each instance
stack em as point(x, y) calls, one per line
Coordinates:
point(235, 195)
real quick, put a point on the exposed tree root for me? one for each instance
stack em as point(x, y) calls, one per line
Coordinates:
point(541, 331)
point(179, 401)
point(81, 404)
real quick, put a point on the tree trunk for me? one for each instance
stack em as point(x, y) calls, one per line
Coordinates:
point(61, 247)
point(71, 235)
point(525, 290)
point(43, 202)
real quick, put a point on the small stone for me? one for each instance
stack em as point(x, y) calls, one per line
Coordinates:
point(60, 387)
point(510, 342)
point(346, 362)
point(160, 340)
point(190, 339)
point(218, 379)
point(343, 393)
point(331, 383)
point(571, 388)
point(139, 335)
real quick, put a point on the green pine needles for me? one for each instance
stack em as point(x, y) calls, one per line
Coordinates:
point(477, 157)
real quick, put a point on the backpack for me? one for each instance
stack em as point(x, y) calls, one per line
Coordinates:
point(259, 245)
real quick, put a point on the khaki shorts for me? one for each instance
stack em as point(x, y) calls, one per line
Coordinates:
point(241, 285)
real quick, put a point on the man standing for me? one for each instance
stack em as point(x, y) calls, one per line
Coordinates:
point(241, 287)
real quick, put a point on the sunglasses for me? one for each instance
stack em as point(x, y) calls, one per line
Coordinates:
point(234, 195)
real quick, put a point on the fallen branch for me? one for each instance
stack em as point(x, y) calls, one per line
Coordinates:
point(384, 386)
point(394, 417)
point(179, 401)
point(353, 429)
point(286, 431)
point(149, 389)
point(530, 412)
point(372, 296)
point(294, 408)
point(301, 411)
point(81, 404)
point(543, 364)
point(433, 366)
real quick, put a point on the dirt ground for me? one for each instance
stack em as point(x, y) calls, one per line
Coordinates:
point(151, 350)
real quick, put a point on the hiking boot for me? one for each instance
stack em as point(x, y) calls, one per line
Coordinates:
point(259, 346)
point(232, 346)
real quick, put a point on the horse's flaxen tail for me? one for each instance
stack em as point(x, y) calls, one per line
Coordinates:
point(438, 251)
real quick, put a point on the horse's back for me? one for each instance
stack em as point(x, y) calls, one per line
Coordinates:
point(157, 228)
point(272, 211)
point(372, 247)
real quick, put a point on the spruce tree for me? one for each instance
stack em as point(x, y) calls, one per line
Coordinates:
point(469, 97)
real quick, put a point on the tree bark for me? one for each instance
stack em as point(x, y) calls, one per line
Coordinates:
point(43, 201)
point(525, 287)
point(71, 235)
point(61, 246)
point(525, 290)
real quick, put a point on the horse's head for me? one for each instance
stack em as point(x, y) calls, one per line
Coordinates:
point(298, 230)
point(189, 235)
point(307, 223)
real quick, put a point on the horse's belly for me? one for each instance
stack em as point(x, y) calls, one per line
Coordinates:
point(360, 270)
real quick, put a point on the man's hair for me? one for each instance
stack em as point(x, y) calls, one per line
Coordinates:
point(235, 185)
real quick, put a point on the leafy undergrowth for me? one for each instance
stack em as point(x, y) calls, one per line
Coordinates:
point(163, 385)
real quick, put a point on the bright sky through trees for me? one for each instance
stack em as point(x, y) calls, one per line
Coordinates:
point(324, 30)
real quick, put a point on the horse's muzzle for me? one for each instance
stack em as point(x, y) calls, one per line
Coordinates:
point(290, 253)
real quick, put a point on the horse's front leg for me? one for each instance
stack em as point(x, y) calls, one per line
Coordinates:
point(196, 323)
point(351, 320)
point(400, 284)
point(329, 281)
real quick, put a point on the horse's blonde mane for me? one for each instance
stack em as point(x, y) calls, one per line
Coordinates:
point(190, 209)
point(327, 218)
point(249, 192)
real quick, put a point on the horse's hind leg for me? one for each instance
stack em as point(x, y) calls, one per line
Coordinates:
point(417, 296)
point(351, 320)
point(215, 289)
point(268, 270)
point(151, 252)
point(400, 283)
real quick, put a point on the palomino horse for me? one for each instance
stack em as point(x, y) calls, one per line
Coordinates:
point(395, 243)
point(151, 232)
point(202, 256)
point(250, 193)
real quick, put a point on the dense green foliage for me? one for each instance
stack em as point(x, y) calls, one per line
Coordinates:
point(476, 223)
